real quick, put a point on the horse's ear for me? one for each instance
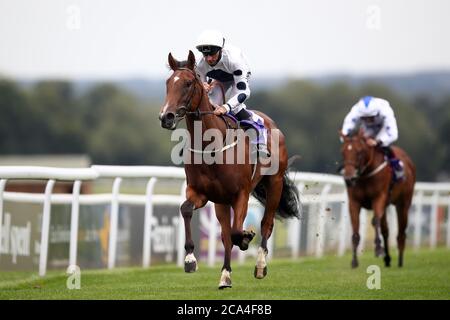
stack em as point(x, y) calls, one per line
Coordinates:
point(173, 63)
point(191, 60)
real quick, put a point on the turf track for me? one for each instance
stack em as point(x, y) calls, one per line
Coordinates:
point(426, 275)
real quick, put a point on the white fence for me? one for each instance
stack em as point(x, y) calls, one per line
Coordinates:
point(322, 227)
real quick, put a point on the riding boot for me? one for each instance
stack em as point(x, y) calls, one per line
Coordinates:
point(243, 115)
point(246, 119)
point(398, 169)
point(396, 164)
point(262, 144)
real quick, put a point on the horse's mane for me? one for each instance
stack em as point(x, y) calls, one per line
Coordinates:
point(354, 131)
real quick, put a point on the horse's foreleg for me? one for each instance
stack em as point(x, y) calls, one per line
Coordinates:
point(223, 214)
point(354, 208)
point(240, 237)
point(187, 209)
point(190, 263)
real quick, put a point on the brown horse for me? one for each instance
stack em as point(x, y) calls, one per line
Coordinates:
point(369, 180)
point(227, 185)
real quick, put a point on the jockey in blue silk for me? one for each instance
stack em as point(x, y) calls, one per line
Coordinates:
point(376, 117)
point(228, 65)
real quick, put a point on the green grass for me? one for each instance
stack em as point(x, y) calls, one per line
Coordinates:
point(426, 275)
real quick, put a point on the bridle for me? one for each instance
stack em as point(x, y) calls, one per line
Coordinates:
point(182, 111)
point(356, 165)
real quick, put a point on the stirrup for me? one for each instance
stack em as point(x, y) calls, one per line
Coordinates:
point(262, 151)
point(399, 175)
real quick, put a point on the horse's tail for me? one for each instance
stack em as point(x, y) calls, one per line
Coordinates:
point(290, 205)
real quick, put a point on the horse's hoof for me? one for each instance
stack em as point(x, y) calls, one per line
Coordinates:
point(249, 234)
point(244, 244)
point(190, 263)
point(225, 279)
point(260, 273)
point(190, 267)
point(246, 239)
point(387, 261)
point(354, 264)
point(379, 252)
point(224, 285)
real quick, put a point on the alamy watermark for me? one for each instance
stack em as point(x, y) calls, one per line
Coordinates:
point(211, 147)
point(373, 20)
point(74, 278)
point(73, 21)
point(374, 280)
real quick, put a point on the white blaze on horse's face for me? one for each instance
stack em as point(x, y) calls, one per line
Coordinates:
point(176, 78)
point(349, 147)
point(164, 109)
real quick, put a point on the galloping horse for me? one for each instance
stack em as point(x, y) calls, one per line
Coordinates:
point(228, 185)
point(369, 180)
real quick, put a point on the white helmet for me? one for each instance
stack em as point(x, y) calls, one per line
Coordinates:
point(210, 41)
point(367, 107)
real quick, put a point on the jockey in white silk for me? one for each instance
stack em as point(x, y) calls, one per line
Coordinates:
point(228, 65)
point(377, 119)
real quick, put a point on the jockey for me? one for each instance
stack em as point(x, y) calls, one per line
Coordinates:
point(376, 117)
point(228, 65)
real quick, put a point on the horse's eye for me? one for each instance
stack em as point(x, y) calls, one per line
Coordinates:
point(188, 83)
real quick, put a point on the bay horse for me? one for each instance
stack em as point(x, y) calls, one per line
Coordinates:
point(369, 181)
point(227, 185)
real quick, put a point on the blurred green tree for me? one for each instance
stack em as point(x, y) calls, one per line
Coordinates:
point(114, 127)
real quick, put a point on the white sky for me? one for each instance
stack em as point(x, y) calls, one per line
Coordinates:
point(131, 38)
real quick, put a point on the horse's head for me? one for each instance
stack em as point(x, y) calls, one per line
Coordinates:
point(181, 91)
point(356, 155)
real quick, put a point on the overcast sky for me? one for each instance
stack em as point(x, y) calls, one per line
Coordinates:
point(131, 38)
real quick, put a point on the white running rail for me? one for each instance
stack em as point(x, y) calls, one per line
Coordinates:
point(318, 192)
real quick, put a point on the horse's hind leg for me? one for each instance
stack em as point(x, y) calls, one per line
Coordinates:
point(376, 222)
point(274, 190)
point(187, 208)
point(385, 233)
point(379, 209)
point(402, 217)
point(224, 216)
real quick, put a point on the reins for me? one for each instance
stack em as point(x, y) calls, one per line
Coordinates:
point(198, 114)
point(368, 164)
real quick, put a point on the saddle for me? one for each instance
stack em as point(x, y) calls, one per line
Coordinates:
point(257, 123)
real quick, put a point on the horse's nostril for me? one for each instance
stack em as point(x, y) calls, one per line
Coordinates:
point(167, 120)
